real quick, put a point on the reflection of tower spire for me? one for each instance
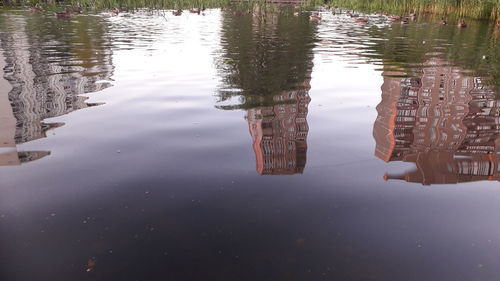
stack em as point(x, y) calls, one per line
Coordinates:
point(446, 123)
point(39, 87)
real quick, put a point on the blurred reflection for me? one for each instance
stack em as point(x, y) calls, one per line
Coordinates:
point(447, 123)
point(266, 65)
point(46, 67)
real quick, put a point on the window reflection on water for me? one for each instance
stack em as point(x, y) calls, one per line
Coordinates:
point(161, 178)
point(446, 123)
point(431, 113)
point(272, 67)
point(47, 71)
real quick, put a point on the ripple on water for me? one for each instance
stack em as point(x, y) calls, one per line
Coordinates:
point(175, 133)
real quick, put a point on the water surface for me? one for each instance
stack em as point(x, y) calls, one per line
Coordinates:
point(236, 145)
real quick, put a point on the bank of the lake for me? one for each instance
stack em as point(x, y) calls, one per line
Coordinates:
point(100, 4)
point(477, 9)
point(473, 9)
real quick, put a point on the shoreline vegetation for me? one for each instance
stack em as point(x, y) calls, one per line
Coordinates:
point(107, 4)
point(474, 9)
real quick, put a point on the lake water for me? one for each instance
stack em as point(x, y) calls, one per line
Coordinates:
point(248, 146)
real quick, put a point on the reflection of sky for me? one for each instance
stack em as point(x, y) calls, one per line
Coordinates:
point(158, 154)
point(160, 116)
point(181, 52)
point(343, 100)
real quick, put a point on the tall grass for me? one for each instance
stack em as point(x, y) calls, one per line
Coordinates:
point(152, 4)
point(478, 9)
point(172, 4)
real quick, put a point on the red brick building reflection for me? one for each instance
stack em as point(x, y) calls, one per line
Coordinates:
point(444, 122)
point(279, 133)
point(270, 68)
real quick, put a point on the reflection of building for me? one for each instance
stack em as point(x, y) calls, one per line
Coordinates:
point(272, 69)
point(44, 82)
point(279, 133)
point(446, 123)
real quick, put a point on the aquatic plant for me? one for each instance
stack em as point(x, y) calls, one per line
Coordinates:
point(478, 9)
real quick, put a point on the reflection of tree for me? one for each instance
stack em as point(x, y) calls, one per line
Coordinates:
point(440, 105)
point(447, 123)
point(49, 64)
point(265, 53)
point(266, 64)
point(474, 49)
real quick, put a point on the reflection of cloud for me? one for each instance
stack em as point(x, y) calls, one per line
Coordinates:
point(43, 84)
point(446, 123)
point(268, 69)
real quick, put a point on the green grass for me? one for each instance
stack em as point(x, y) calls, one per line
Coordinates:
point(102, 4)
point(158, 4)
point(54, 5)
point(477, 9)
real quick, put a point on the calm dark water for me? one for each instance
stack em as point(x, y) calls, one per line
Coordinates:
point(248, 146)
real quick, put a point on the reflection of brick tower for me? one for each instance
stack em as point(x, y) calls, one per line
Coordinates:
point(446, 123)
point(271, 69)
point(279, 133)
point(37, 88)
